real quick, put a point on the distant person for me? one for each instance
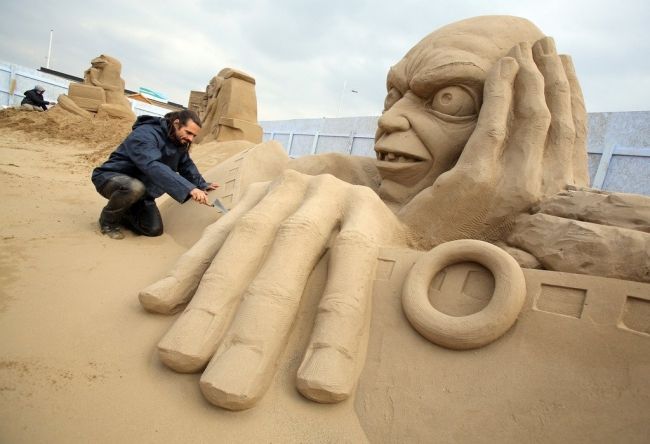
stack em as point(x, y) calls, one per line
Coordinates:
point(34, 99)
point(153, 159)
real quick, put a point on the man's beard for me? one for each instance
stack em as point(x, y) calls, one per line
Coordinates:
point(176, 141)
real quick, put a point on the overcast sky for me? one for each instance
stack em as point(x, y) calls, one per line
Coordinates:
point(301, 53)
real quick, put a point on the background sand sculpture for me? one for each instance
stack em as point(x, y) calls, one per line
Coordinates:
point(229, 109)
point(101, 94)
point(483, 122)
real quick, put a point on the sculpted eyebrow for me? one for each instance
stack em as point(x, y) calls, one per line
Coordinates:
point(457, 73)
point(394, 80)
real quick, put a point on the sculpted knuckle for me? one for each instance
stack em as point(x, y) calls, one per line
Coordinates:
point(289, 176)
point(494, 89)
point(299, 225)
point(327, 179)
point(274, 295)
point(496, 134)
point(559, 86)
point(354, 237)
point(252, 221)
point(564, 129)
point(341, 305)
point(537, 114)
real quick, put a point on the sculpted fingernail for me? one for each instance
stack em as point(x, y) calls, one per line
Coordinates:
point(235, 380)
point(547, 46)
point(508, 67)
point(326, 375)
point(567, 62)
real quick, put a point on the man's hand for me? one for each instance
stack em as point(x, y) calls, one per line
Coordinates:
point(199, 196)
point(529, 142)
point(251, 268)
point(212, 186)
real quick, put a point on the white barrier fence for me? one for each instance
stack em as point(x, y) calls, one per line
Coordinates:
point(614, 167)
point(15, 79)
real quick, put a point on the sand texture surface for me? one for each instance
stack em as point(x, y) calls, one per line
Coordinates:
point(78, 361)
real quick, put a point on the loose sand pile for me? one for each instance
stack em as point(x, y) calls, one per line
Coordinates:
point(57, 125)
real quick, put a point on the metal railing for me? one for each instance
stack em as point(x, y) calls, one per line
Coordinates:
point(347, 146)
point(11, 95)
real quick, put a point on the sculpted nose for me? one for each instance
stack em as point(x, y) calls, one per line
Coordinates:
point(392, 121)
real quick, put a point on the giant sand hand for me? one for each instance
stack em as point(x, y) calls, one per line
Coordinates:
point(249, 270)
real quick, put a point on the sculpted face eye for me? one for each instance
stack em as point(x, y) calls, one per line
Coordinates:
point(391, 98)
point(453, 101)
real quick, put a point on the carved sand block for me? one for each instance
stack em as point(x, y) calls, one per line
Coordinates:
point(196, 102)
point(102, 93)
point(230, 109)
point(573, 364)
point(238, 129)
point(88, 97)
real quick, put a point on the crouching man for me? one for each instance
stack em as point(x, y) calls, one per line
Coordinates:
point(34, 99)
point(153, 159)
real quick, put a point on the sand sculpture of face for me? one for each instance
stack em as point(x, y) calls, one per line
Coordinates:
point(99, 62)
point(434, 97)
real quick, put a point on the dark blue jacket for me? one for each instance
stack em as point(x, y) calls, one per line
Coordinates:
point(35, 98)
point(149, 155)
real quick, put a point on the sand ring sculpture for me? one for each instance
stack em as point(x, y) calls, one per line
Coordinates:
point(477, 329)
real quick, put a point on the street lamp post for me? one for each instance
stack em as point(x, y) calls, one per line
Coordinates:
point(49, 50)
point(343, 90)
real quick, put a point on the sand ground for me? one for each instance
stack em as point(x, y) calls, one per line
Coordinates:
point(78, 361)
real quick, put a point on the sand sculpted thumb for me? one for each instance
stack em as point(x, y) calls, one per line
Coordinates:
point(102, 93)
point(480, 151)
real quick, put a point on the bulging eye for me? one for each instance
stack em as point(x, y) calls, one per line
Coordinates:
point(391, 98)
point(453, 101)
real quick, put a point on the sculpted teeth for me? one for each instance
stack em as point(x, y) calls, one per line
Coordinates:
point(392, 157)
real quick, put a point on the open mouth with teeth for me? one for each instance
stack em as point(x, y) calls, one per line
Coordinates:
point(390, 156)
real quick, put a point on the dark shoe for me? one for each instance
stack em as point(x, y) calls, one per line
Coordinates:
point(112, 232)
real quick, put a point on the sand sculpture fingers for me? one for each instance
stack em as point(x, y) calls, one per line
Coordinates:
point(579, 115)
point(560, 143)
point(336, 350)
point(528, 130)
point(242, 368)
point(486, 143)
point(504, 141)
point(195, 336)
point(171, 292)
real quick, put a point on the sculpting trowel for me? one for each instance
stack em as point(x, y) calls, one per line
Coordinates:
point(219, 206)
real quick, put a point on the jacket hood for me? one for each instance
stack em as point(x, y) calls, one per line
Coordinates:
point(151, 120)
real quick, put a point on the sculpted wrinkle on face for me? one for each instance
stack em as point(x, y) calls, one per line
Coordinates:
point(424, 128)
point(434, 96)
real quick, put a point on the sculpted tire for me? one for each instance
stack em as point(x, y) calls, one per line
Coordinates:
point(477, 329)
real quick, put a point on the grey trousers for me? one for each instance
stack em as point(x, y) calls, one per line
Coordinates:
point(129, 205)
